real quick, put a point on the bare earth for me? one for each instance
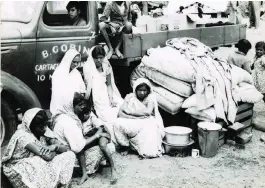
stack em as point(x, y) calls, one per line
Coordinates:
point(231, 167)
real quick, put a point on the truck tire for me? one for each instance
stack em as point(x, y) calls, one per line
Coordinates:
point(8, 122)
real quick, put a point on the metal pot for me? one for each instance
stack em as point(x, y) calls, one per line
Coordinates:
point(177, 135)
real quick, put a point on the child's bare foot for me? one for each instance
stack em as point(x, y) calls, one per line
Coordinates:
point(125, 153)
point(110, 53)
point(118, 53)
point(114, 178)
point(83, 179)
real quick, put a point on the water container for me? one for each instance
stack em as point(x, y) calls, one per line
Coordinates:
point(208, 134)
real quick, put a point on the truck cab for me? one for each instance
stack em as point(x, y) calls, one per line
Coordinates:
point(34, 38)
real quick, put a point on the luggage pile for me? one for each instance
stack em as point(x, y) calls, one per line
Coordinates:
point(186, 74)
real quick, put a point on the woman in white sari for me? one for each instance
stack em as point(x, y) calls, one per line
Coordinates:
point(98, 75)
point(140, 125)
point(66, 79)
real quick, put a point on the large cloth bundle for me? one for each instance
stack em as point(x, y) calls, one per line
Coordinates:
point(168, 101)
point(214, 81)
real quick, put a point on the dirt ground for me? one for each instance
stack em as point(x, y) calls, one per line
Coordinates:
point(231, 167)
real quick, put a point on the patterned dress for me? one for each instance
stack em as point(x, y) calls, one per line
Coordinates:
point(259, 74)
point(24, 169)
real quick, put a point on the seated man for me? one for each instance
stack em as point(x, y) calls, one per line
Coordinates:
point(74, 11)
point(120, 17)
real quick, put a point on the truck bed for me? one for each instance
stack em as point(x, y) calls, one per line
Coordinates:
point(136, 45)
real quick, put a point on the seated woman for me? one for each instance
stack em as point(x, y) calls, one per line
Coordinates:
point(66, 79)
point(31, 161)
point(68, 128)
point(99, 76)
point(140, 125)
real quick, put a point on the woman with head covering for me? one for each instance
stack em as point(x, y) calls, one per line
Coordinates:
point(91, 145)
point(30, 160)
point(99, 76)
point(140, 125)
point(66, 79)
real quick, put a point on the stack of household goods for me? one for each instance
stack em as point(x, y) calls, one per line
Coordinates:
point(188, 69)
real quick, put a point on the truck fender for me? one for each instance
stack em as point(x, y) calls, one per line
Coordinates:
point(19, 91)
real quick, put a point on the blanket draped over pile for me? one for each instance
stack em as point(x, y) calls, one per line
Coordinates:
point(214, 81)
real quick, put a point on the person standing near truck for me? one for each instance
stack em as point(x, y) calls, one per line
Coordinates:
point(239, 58)
point(259, 68)
point(120, 22)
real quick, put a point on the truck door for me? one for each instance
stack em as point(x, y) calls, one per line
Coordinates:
point(56, 34)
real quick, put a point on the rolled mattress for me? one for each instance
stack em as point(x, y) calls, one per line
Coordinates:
point(168, 101)
point(172, 84)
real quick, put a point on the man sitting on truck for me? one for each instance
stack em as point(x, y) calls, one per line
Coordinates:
point(74, 11)
point(120, 22)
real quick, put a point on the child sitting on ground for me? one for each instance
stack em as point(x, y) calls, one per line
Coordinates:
point(239, 58)
point(259, 68)
point(94, 126)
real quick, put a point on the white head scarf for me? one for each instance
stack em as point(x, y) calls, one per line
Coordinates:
point(24, 126)
point(27, 118)
point(64, 82)
point(157, 114)
point(141, 81)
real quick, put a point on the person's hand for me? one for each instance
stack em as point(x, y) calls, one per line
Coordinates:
point(106, 135)
point(45, 151)
point(99, 131)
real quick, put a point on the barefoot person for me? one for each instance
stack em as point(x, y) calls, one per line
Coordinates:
point(99, 76)
point(120, 22)
point(90, 149)
point(139, 125)
point(30, 160)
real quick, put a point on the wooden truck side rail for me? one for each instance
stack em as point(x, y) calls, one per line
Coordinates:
point(136, 45)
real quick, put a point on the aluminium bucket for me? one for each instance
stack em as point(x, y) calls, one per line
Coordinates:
point(208, 135)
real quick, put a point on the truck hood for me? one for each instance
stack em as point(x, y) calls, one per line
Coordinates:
point(9, 32)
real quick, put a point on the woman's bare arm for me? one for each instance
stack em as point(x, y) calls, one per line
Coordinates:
point(42, 152)
point(60, 148)
point(109, 86)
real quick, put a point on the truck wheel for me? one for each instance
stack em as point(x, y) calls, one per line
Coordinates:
point(8, 122)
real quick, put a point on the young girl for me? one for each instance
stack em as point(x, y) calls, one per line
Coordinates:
point(239, 58)
point(99, 76)
point(140, 125)
point(259, 68)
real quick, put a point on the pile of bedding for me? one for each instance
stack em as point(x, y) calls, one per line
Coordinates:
point(187, 69)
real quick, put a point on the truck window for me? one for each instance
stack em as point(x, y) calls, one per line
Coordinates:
point(66, 13)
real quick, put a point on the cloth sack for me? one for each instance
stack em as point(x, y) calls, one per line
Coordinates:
point(207, 114)
point(245, 92)
point(170, 62)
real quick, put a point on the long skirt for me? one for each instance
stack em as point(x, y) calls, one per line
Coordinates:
point(142, 135)
point(34, 172)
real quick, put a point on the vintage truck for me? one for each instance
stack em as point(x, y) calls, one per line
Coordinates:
point(34, 38)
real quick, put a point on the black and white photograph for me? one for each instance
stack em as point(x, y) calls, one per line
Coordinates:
point(132, 94)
